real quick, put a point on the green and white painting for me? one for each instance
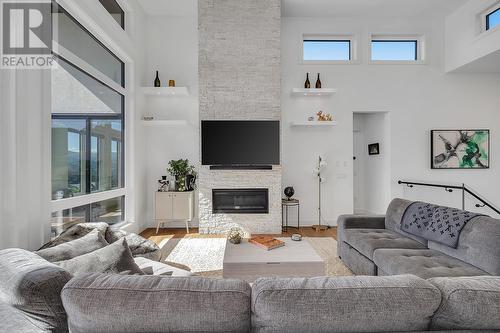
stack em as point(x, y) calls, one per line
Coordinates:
point(460, 149)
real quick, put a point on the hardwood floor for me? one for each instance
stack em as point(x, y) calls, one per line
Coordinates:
point(165, 233)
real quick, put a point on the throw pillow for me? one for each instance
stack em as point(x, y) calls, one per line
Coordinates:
point(88, 243)
point(114, 258)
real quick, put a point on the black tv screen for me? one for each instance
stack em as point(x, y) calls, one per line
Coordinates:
point(240, 142)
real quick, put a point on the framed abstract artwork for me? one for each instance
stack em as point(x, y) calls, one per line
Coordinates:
point(460, 149)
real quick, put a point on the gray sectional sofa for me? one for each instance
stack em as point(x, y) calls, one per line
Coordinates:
point(37, 296)
point(376, 245)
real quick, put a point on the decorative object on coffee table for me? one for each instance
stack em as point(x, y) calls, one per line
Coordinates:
point(235, 235)
point(296, 237)
point(285, 204)
point(319, 167)
point(266, 242)
point(289, 192)
point(373, 149)
point(171, 83)
point(460, 149)
point(185, 174)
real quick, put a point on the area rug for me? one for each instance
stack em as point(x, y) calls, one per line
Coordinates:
point(204, 254)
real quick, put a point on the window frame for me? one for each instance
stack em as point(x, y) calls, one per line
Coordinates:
point(419, 40)
point(330, 38)
point(122, 21)
point(59, 205)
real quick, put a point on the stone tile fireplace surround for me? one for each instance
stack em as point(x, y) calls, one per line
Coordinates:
point(239, 74)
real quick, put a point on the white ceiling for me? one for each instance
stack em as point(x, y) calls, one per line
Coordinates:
point(376, 8)
point(321, 8)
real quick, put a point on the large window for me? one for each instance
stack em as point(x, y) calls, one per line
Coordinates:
point(87, 129)
point(115, 10)
point(493, 19)
point(73, 37)
point(110, 211)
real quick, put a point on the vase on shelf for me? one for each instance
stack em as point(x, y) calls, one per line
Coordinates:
point(318, 83)
point(157, 82)
point(307, 84)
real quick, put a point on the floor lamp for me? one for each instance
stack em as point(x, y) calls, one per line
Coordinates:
point(321, 165)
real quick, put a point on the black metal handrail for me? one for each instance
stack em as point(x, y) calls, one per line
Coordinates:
point(450, 188)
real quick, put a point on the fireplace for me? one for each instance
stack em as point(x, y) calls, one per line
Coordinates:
point(240, 201)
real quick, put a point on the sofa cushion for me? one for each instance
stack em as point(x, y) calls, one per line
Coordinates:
point(343, 304)
point(423, 263)
point(140, 246)
point(113, 258)
point(88, 243)
point(394, 215)
point(355, 261)
point(478, 244)
point(159, 268)
point(468, 303)
point(33, 286)
point(366, 241)
point(117, 303)
point(75, 232)
point(13, 320)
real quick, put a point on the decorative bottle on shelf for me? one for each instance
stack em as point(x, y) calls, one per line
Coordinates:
point(318, 83)
point(157, 80)
point(307, 84)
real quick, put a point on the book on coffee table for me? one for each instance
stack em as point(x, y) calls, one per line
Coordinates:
point(266, 242)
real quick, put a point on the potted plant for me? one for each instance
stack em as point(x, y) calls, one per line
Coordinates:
point(185, 174)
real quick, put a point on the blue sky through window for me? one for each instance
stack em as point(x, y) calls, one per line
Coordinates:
point(394, 50)
point(493, 19)
point(321, 50)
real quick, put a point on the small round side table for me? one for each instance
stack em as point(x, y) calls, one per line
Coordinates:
point(285, 204)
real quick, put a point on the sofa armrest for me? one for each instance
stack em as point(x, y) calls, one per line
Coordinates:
point(358, 222)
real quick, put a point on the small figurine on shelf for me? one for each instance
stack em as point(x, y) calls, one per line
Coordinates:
point(163, 184)
point(324, 116)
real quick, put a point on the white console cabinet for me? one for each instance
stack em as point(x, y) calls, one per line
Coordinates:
point(174, 206)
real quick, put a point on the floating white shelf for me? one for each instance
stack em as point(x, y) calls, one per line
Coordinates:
point(314, 123)
point(165, 91)
point(164, 122)
point(313, 92)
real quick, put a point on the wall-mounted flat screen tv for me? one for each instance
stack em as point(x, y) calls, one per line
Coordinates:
point(240, 143)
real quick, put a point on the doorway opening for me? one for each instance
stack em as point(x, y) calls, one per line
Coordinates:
point(372, 162)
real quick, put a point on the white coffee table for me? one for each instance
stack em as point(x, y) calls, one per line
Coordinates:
point(248, 262)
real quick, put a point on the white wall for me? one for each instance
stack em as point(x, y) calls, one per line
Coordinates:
point(418, 97)
point(467, 44)
point(373, 171)
point(172, 49)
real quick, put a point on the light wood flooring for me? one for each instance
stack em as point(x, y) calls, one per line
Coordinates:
point(168, 233)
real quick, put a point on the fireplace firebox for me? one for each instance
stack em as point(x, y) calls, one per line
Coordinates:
point(240, 201)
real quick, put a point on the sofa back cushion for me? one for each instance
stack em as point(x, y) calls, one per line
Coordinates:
point(468, 303)
point(343, 304)
point(129, 303)
point(478, 244)
point(394, 215)
point(88, 243)
point(114, 258)
point(32, 285)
